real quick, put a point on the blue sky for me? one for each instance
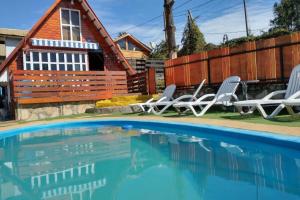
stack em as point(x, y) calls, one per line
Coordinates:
point(215, 18)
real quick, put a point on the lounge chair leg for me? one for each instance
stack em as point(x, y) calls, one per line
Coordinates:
point(276, 111)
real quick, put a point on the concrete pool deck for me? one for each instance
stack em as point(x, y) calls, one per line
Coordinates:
point(282, 130)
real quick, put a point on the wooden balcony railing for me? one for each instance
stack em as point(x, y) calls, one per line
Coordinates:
point(31, 87)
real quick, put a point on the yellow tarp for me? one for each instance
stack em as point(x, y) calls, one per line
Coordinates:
point(124, 100)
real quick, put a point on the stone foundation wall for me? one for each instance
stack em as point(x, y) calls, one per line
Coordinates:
point(43, 111)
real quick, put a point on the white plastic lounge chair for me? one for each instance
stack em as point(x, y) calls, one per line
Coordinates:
point(223, 97)
point(166, 96)
point(291, 94)
point(160, 107)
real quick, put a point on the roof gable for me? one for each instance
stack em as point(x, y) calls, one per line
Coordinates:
point(135, 41)
point(107, 40)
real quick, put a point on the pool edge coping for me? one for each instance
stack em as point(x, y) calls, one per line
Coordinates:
point(245, 132)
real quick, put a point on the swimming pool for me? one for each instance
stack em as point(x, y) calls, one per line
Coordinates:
point(133, 160)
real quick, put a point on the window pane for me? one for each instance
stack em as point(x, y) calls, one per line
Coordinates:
point(53, 67)
point(65, 15)
point(132, 47)
point(75, 18)
point(62, 67)
point(122, 44)
point(44, 57)
point(69, 58)
point(45, 66)
point(76, 57)
point(35, 56)
point(70, 67)
point(83, 58)
point(28, 67)
point(66, 33)
point(83, 68)
point(28, 57)
point(76, 33)
point(77, 67)
point(36, 66)
point(53, 57)
point(61, 57)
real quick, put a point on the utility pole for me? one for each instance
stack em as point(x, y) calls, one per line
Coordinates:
point(170, 28)
point(246, 18)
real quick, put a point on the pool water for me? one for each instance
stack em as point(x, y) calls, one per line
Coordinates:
point(125, 163)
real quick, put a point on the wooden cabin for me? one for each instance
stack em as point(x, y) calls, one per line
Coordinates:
point(65, 63)
point(135, 51)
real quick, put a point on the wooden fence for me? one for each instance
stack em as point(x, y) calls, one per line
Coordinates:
point(30, 87)
point(138, 83)
point(265, 60)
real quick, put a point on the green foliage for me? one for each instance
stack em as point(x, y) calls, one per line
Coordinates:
point(272, 33)
point(121, 34)
point(210, 46)
point(287, 15)
point(160, 51)
point(193, 40)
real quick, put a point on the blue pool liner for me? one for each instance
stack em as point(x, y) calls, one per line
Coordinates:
point(173, 127)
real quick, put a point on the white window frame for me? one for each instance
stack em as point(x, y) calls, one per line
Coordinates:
point(70, 25)
point(57, 63)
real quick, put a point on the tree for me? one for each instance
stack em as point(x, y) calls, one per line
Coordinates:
point(160, 51)
point(121, 34)
point(193, 40)
point(287, 15)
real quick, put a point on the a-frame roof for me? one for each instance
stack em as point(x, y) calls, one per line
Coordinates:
point(93, 17)
point(140, 44)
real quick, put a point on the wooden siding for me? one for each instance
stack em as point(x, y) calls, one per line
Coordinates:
point(51, 29)
point(266, 60)
point(30, 87)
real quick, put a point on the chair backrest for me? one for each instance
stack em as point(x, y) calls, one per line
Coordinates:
point(294, 82)
point(230, 86)
point(169, 92)
point(199, 88)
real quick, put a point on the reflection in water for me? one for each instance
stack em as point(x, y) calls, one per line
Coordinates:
point(111, 163)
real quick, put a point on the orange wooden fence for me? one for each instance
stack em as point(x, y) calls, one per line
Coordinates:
point(30, 87)
point(138, 83)
point(266, 60)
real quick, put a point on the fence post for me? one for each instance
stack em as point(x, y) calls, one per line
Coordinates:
point(208, 71)
point(281, 63)
point(151, 81)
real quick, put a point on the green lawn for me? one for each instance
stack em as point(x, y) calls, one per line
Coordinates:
point(283, 120)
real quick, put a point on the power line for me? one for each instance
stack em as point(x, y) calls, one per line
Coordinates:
point(153, 19)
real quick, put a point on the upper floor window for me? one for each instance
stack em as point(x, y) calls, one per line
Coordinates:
point(70, 25)
point(122, 44)
point(132, 47)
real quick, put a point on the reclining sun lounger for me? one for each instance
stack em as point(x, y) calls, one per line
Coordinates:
point(160, 107)
point(223, 97)
point(166, 96)
point(291, 94)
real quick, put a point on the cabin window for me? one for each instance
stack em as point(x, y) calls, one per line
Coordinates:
point(132, 47)
point(55, 61)
point(122, 44)
point(70, 25)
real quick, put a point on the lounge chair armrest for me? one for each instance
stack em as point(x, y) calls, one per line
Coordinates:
point(295, 96)
point(161, 99)
point(273, 94)
point(150, 100)
point(191, 97)
point(205, 97)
